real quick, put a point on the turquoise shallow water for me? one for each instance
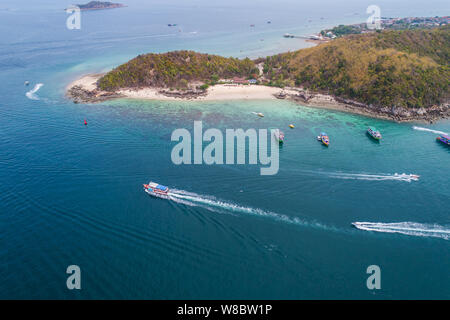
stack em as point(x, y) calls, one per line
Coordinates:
point(71, 194)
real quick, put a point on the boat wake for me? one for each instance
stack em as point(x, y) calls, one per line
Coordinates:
point(215, 205)
point(32, 93)
point(373, 177)
point(407, 228)
point(430, 130)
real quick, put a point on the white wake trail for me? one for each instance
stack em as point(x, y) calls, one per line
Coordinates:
point(430, 130)
point(211, 203)
point(373, 177)
point(407, 228)
point(32, 93)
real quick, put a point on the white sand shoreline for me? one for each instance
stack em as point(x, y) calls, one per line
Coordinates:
point(87, 92)
point(217, 92)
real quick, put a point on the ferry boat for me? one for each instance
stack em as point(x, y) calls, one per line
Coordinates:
point(444, 139)
point(156, 190)
point(374, 133)
point(323, 137)
point(279, 135)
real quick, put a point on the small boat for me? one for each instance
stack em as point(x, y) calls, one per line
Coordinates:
point(444, 139)
point(414, 177)
point(157, 190)
point(259, 114)
point(26, 83)
point(85, 122)
point(291, 126)
point(279, 135)
point(323, 137)
point(374, 133)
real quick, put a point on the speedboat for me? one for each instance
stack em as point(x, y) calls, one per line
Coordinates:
point(259, 114)
point(374, 133)
point(414, 177)
point(156, 190)
point(323, 137)
point(444, 139)
point(279, 135)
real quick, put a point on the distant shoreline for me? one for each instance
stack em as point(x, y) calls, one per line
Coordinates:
point(84, 90)
point(99, 5)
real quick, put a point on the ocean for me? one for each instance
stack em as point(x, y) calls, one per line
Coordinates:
point(72, 194)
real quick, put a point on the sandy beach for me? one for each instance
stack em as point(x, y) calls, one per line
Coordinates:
point(87, 82)
point(217, 92)
point(221, 92)
point(85, 89)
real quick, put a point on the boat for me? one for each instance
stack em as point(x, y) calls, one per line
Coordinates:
point(414, 177)
point(374, 133)
point(323, 137)
point(279, 135)
point(259, 114)
point(156, 190)
point(291, 126)
point(26, 83)
point(444, 139)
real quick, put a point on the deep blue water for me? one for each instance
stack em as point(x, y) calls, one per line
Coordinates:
point(71, 194)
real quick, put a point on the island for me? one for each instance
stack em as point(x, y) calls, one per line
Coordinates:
point(402, 75)
point(99, 5)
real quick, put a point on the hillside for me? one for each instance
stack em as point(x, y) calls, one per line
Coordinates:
point(175, 70)
point(392, 68)
point(383, 70)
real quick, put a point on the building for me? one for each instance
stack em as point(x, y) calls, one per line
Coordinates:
point(238, 80)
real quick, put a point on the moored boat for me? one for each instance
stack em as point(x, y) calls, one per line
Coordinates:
point(374, 133)
point(444, 139)
point(323, 137)
point(156, 190)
